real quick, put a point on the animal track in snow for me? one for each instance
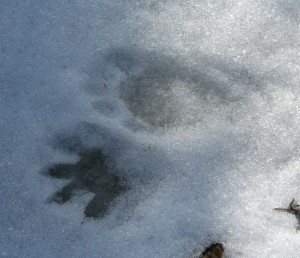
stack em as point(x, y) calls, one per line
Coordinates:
point(91, 173)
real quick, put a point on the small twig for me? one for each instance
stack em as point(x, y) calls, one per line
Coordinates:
point(292, 208)
point(282, 209)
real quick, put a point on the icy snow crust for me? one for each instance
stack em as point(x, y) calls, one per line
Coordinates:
point(195, 102)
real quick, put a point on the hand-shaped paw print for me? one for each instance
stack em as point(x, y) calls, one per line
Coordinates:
point(90, 173)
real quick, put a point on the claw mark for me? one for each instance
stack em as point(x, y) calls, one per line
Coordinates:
point(90, 173)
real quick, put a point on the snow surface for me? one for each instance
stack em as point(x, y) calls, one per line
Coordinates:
point(195, 102)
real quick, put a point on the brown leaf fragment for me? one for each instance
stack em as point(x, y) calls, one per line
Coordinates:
point(216, 250)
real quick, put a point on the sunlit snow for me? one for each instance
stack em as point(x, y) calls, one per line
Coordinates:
point(196, 103)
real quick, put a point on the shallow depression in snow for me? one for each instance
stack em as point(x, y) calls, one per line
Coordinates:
point(194, 104)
